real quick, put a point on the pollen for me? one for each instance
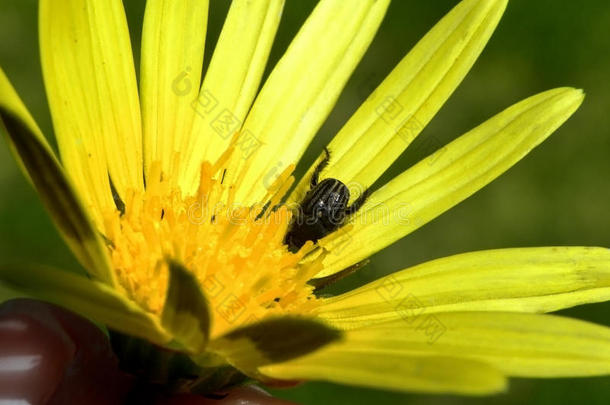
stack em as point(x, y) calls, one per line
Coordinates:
point(236, 253)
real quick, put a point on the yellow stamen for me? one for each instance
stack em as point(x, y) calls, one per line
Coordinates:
point(236, 253)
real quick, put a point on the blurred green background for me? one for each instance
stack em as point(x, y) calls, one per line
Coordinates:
point(558, 195)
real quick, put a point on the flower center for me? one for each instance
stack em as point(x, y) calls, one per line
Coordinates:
point(236, 253)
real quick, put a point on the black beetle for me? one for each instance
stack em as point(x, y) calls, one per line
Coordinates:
point(323, 210)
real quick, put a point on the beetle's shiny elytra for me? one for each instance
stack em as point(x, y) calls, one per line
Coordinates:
point(323, 210)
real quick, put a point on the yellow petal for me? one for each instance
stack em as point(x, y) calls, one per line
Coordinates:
point(398, 110)
point(302, 89)
point(92, 91)
point(517, 344)
point(449, 176)
point(56, 191)
point(394, 371)
point(516, 280)
point(89, 298)
point(173, 40)
point(230, 83)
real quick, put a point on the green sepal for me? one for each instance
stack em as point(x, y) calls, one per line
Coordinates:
point(273, 340)
point(171, 371)
point(186, 312)
point(218, 379)
point(153, 363)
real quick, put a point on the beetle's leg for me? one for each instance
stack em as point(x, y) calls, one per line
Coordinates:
point(323, 282)
point(356, 205)
point(316, 173)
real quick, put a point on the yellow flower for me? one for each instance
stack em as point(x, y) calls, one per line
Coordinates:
point(172, 198)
